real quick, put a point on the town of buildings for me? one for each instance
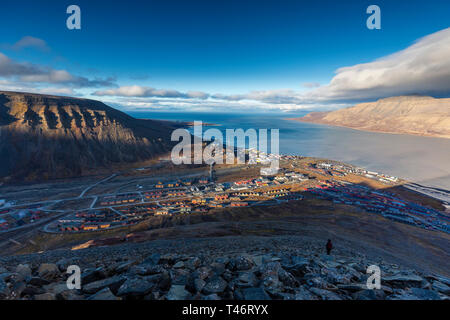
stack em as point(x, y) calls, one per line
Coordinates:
point(201, 195)
point(179, 197)
point(383, 203)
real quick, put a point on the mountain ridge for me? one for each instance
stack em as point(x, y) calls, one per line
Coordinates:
point(46, 137)
point(415, 115)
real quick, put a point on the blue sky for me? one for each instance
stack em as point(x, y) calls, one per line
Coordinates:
point(248, 53)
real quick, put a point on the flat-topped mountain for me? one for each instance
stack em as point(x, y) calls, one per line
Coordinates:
point(418, 115)
point(45, 137)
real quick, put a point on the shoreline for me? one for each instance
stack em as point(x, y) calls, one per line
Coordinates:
point(367, 130)
point(435, 193)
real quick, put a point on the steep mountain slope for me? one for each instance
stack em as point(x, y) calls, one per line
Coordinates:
point(43, 137)
point(417, 115)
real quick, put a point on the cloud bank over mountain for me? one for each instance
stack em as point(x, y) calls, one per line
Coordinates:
point(423, 68)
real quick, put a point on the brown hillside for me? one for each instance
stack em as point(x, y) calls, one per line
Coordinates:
point(48, 137)
point(425, 116)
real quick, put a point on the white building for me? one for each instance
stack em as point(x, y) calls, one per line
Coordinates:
point(269, 171)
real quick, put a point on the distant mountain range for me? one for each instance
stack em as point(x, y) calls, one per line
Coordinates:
point(417, 115)
point(46, 137)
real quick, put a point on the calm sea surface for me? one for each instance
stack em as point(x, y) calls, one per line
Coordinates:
point(422, 160)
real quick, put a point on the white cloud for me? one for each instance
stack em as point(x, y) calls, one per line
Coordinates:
point(139, 91)
point(27, 72)
point(31, 42)
point(6, 85)
point(422, 68)
point(310, 85)
point(59, 91)
point(51, 76)
point(282, 96)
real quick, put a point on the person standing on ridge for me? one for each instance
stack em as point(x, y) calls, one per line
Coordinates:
point(329, 246)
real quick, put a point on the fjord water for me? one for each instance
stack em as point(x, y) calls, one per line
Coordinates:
point(423, 160)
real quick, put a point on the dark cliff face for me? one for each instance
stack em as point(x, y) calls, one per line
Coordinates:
point(46, 137)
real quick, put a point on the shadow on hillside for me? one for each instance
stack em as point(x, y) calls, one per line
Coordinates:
point(5, 117)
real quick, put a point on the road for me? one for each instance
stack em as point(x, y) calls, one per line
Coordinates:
point(439, 194)
point(24, 232)
point(96, 184)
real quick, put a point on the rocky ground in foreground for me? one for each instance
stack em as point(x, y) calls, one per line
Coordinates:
point(250, 268)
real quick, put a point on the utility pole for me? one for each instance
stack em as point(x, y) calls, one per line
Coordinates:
point(212, 172)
